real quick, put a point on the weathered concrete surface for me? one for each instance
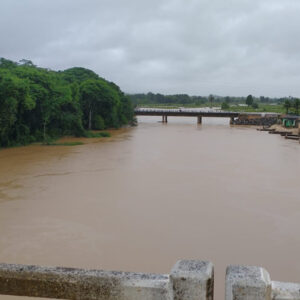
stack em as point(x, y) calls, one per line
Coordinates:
point(192, 280)
point(146, 288)
point(247, 283)
point(189, 280)
point(68, 283)
point(285, 291)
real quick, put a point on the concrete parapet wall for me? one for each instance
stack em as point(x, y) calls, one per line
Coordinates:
point(285, 291)
point(192, 280)
point(189, 280)
point(254, 283)
point(244, 282)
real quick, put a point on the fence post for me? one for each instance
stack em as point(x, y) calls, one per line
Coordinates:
point(192, 280)
point(247, 283)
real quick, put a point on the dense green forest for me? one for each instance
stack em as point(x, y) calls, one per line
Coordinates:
point(37, 104)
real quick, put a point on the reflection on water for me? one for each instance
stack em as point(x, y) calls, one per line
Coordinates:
point(152, 195)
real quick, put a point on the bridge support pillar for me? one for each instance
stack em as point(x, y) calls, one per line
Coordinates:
point(231, 121)
point(165, 119)
point(199, 120)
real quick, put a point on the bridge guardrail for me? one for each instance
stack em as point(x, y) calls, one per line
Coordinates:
point(188, 280)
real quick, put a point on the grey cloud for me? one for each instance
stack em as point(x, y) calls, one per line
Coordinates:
point(232, 47)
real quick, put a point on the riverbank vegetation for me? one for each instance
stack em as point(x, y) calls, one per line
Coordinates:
point(236, 104)
point(38, 104)
point(65, 144)
point(91, 134)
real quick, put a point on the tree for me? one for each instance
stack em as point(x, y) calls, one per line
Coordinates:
point(26, 62)
point(15, 101)
point(249, 100)
point(98, 123)
point(225, 106)
point(90, 95)
point(287, 105)
point(100, 98)
point(7, 64)
point(78, 75)
point(210, 99)
point(296, 105)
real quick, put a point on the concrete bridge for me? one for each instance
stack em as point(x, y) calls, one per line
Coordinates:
point(185, 112)
point(188, 280)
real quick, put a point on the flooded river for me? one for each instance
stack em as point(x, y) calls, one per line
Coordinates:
point(154, 194)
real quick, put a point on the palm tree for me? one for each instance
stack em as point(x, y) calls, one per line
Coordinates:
point(296, 105)
point(287, 105)
point(211, 99)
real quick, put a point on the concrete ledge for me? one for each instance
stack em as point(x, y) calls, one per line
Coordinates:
point(285, 291)
point(192, 280)
point(68, 283)
point(247, 283)
point(189, 280)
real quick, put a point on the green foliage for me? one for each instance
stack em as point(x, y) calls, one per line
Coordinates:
point(99, 123)
point(65, 144)
point(211, 99)
point(160, 99)
point(249, 100)
point(155, 100)
point(292, 105)
point(261, 108)
point(254, 105)
point(38, 104)
point(287, 104)
point(296, 105)
point(91, 134)
point(225, 106)
point(78, 75)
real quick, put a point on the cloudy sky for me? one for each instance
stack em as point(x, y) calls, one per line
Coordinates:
point(199, 47)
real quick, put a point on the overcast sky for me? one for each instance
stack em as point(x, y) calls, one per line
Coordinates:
point(199, 47)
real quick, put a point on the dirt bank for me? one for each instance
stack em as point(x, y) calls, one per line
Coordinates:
point(278, 127)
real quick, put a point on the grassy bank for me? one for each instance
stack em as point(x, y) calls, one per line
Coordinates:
point(261, 108)
point(93, 134)
point(88, 135)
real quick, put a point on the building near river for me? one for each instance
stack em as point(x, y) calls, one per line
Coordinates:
point(290, 121)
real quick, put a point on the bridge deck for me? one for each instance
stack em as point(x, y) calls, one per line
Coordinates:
point(185, 113)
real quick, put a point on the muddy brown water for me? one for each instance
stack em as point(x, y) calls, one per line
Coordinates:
point(154, 194)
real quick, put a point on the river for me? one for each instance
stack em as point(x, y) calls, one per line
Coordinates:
point(153, 194)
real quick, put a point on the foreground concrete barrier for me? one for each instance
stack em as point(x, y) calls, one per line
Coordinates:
point(251, 283)
point(191, 280)
point(254, 283)
point(285, 291)
point(188, 280)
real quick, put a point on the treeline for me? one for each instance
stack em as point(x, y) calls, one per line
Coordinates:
point(37, 103)
point(151, 98)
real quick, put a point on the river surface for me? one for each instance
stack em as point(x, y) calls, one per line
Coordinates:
point(153, 194)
